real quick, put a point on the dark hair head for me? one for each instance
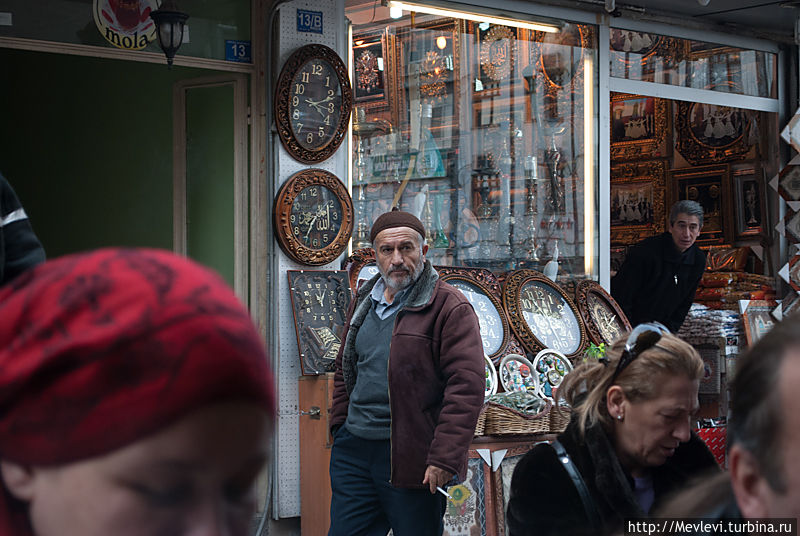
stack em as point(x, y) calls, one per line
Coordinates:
point(755, 420)
point(685, 206)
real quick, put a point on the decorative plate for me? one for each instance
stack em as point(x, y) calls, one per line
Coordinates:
point(491, 377)
point(542, 315)
point(550, 367)
point(604, 318)
point(516, 374)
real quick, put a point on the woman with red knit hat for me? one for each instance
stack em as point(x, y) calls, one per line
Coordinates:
point(135, 398)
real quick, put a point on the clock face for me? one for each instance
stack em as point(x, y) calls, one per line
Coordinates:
point(315, 107)
point(549, 317)
point(316, 217)
point(491, 323)
point(608, 323)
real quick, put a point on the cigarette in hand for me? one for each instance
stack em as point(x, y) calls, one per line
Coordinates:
point(443, 492)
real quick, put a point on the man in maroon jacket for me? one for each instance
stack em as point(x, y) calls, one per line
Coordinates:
point(408, 388)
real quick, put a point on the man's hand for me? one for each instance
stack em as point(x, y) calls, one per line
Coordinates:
point(436, 477)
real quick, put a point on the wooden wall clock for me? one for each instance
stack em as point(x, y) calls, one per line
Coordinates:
point(542, 315)
point(313, 100)
point(313, 217)
point(320, 300)
point(483, 292)
point(605, 320)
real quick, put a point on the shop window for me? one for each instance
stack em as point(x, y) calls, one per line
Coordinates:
point(486, 131)
point(650, 57)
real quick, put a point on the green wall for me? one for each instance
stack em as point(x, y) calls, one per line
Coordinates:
point(87, 144)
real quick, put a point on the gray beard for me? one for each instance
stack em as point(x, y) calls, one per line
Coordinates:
point(404, 283)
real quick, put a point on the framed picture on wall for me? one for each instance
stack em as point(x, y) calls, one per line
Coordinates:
point(638, 126)
point(710, 134)
point(757, 319)
point(711, 187)
point(637, 201)
point(748, 189)
point(371, 65)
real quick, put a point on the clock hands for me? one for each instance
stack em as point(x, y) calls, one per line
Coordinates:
point(322, 210)
point(318, 104)
point(320, 298)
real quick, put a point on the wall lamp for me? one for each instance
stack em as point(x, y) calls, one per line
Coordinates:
point(170, 23)
point(434, 9)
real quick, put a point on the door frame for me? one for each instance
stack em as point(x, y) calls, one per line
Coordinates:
point(239, 83)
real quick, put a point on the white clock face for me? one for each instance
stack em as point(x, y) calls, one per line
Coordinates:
point(489, 318)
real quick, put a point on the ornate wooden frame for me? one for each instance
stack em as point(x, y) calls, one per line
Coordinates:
point(315, 335)
point(653, 173)
point(355, 262)
point(646, 147)
point(582, 292)
point(698, 151)
point(757, 310)
point(282, 98)
point(512, 287)
point(751, 175)
point(283, 209)
point(487, 283)
point(371, 40)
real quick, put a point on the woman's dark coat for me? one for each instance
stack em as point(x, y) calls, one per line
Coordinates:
point(545, 501)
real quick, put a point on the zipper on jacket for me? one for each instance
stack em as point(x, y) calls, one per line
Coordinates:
point(389, 392)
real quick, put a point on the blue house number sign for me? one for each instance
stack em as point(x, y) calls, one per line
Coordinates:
point(309, 21)
point(237, 51)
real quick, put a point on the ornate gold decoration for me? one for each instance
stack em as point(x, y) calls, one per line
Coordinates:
point(498, 48)
point(712, 134)
point(433, 72)
point(367, 74)
point(651, 174)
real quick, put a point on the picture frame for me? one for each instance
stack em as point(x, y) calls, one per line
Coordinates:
point(757, 319)
point(320, 301)
point(432, 76)
point(370, 66)
point(484, 293)
point(639, 127)
point(711, 187)
point(360, 266)
point(709, 134)
point(750, 199)
point(638, 208)
point(789, 183)
point(472, 507)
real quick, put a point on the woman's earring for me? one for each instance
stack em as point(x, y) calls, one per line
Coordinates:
point(619, 417)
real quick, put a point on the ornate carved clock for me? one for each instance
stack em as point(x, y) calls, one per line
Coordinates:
point(482, 290)
point(320, 299)
point(542, 315)
point(313, 100)
point(605, 320)
point(313, 217)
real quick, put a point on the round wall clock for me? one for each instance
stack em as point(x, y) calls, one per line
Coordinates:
point(477, 287)
point(542, 315)
point(605, 320)
point(313, 100)
point(313, 217)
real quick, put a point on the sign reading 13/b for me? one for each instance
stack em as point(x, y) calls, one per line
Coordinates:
point(309, 21)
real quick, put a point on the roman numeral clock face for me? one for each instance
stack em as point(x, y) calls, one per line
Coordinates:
point(313, 100)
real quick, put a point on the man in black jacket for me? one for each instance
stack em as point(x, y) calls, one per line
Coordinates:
point(660, 274)
point(20, 249)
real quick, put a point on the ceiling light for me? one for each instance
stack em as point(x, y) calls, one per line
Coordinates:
point(479, 17)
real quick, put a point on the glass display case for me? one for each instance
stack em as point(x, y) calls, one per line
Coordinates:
point(485, 131)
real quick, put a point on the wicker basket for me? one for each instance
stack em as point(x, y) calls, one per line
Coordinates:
point(480, 426)
point(559, 418)
point(501, 420)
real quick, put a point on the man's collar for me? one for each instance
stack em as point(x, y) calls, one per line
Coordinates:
point(378, 292)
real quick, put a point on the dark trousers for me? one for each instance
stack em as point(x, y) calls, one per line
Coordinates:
point(364, 503)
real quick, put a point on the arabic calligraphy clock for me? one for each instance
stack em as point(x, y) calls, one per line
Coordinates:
point(320, 299)
point(313, 217)
point(313, 100)
point(542, 315)
point(605, 320)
